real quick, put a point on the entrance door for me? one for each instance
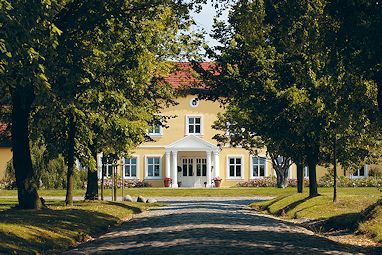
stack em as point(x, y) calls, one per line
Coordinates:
point(201, 172)
point(194, 172)
point(188, 172)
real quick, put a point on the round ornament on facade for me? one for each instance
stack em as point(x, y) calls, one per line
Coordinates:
point(194, 102)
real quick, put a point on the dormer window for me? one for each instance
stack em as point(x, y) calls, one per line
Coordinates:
point(194, 125)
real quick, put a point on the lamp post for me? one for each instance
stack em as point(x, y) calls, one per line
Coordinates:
point(123, 179)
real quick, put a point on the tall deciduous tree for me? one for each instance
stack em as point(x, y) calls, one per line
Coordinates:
point(267, 67)
point(28, 35)
point(111, 62)
point(280, 67)
point(359, 37)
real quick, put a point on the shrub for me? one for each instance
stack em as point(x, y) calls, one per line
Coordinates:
point(50, 175)
point(344, 181)
point(9, 181)
point(136, 183)
point(268, 182)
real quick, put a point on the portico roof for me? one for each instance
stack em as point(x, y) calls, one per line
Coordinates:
point(191, 143)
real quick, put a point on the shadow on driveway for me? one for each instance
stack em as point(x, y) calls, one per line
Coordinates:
point(212, 227)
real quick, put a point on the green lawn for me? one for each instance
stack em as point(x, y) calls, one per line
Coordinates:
point(355, 210)
point(59, 227)
point(157, 192)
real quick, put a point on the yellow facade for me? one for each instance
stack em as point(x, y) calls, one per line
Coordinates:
point(185, 157)
point(177, 133)
point(5, 157)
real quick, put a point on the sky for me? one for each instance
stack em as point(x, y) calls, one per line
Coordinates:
point(204, 20)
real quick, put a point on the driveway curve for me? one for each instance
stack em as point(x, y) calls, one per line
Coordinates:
point(211, 226)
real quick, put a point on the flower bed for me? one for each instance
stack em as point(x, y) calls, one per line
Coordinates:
point(325, 181)
point(342, 181)
point(108, 183)
point(267, 182)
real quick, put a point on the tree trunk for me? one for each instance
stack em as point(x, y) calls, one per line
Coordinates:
point(92, 186)
point(22, 99)
point(115, 180)
point(70, 174)
point(379, 94)
point(300, 178)
point(312, 162)
point(281, 177)
point(102, 177)
point(335, 170)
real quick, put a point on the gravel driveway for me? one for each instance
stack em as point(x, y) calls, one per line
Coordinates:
point(211, 226)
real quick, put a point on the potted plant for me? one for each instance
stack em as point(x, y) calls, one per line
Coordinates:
point(167, 181)
point(217, 180)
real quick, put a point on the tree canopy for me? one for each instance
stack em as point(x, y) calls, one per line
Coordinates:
point(283, 80)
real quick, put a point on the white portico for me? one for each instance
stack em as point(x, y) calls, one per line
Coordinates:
point(192, 161)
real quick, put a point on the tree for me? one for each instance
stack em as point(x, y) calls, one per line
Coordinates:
point(111, 62)
point(269, 66)
point(237, 126)
point(359, 37)
point(28, 35)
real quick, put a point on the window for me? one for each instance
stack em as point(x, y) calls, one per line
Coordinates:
point(130, 167)
point(153, 167)
point(201, 167)
point(362, 172)
point(235, 166)
point(155, 130)
point(194, 125)
point(258, 166)
point(107, 167)
point(306, 172)
point(188, 167)
point(194, 102)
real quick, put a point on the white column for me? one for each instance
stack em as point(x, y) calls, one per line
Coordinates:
point(366, 170)
point(99, 165)
point(168, 163)
point(174, 175)
point(216, 164)
point(208, 169)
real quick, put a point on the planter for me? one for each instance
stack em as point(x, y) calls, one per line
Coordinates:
point(167, 183)
point(179, 184)
point(217, 183)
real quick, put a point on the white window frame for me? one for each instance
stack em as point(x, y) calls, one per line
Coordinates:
point(137, 168)
point(147, 177)
point(251, 167)
point(228, 177)
point(366, 173)
point(107, 165)
point(155, 134)
point(197, 102)
point(201, 125)
point(306, 172)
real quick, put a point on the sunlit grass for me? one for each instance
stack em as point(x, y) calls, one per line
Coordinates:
point(351, 211)
point(157, 192)
point(59, 227)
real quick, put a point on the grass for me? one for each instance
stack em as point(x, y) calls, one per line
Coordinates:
point(371, 222)
point(57, 228)
point(186, 192)
point(357, 209)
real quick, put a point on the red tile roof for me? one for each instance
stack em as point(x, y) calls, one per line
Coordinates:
point(185, 76)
